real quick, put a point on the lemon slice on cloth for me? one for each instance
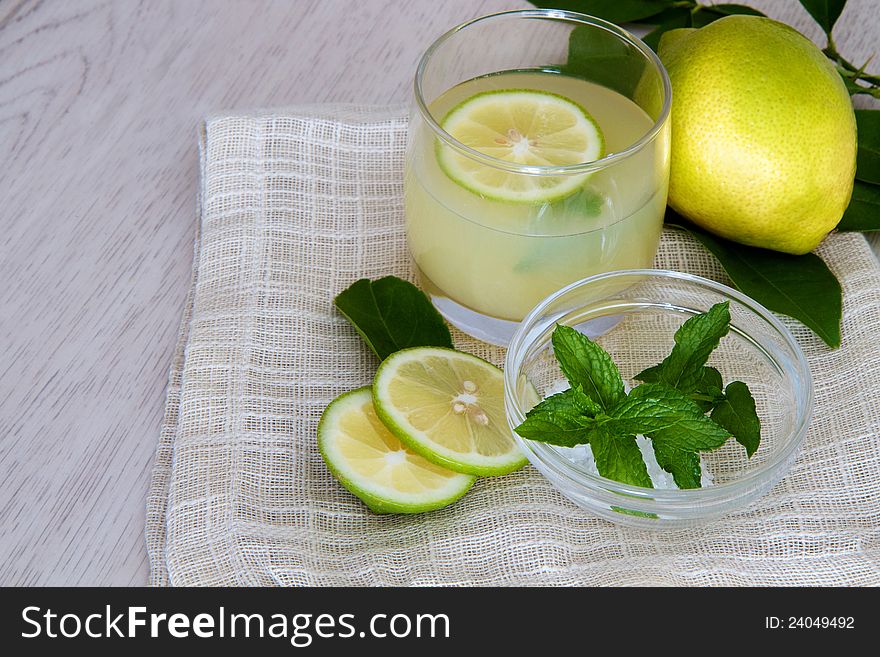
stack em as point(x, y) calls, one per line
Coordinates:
point(370, 462)
point(524, 127)
point(449, 407)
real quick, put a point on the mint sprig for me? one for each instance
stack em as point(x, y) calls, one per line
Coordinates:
point(737, 413)
point(669, 408)
point(586, 364)
point(565, 419)
point(682, 464)
point(695, 340)
point(667, 415)
point(619, 458)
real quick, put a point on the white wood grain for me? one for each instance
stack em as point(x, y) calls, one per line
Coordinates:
point(99, 103)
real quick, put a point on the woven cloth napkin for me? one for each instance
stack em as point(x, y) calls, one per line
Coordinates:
point(297, 205)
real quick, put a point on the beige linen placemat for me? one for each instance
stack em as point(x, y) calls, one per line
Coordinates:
point(296, 206)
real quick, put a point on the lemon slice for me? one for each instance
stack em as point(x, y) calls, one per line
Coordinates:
point(449, 407)
point(526, 127)
point(370, 462)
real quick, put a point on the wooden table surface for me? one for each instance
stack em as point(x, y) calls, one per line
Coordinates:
point(99, 106)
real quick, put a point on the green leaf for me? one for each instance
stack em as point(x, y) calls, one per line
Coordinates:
point(863, 212)
point(705, 15)
point(695, 340)
point(710, 380)
point(672, 19)
point(557, 428)
point(585, 203)
point(601, 57)
point(668, 416)
point(737, 415)
point(868, 157)
point(563, 419)
point(710, 389)
point(632, 512)
point(825, 12)
point(572, 400)
point(683, 465)
point(615, 11)
point(391, 314)
point(801, 287)
point(619, 458)
point(587, 366)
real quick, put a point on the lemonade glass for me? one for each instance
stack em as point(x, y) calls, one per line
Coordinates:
point(487, 258)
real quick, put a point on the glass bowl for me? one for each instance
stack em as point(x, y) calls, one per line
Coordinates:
point(633, 315)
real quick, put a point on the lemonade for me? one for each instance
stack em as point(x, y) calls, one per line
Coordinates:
point(499, 254)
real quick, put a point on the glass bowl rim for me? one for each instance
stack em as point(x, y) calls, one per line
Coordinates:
point(569, 169)
point(717, 492)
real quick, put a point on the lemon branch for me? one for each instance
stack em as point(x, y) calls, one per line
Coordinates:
point(852, 74)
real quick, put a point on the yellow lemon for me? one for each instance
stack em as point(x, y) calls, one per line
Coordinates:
point(763, 133)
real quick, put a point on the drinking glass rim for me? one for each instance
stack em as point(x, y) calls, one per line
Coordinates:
point(521, 342)
point(584, 167)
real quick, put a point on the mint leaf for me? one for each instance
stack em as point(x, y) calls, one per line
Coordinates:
point(564, 419)
point(572, 400)
point(710, 389)
point(615, 11)
point(391, 314)
point(576, 209)
point(868, 155)
point(683, 465)
point(798, 286)
point(587, 366)
point(710, 381)
point(737, 415)
point(557, 428)
point(824, 12)
point(619, 458)
point(633, 512)
point(694, 342)
point(667, 416)
point(863, 211)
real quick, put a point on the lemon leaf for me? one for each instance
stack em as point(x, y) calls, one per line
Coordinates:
point(824, 12)
point(601, 57)
point(863, 212)
point(801, 287)
point(391, 314)
point(705, 15)
point(868, 157)
point(674, 19)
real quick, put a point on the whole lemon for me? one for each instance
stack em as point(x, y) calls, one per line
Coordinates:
point(763, 133)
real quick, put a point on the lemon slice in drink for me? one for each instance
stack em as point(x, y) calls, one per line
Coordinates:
point(524, 127)
point(449, 407)
point(370, 462)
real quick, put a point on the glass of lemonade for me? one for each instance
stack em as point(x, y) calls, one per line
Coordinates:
point(538, 155)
